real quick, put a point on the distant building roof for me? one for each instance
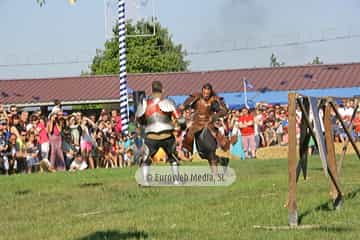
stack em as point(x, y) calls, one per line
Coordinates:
point(263, 79)
point(106, 88)
point(69, 89)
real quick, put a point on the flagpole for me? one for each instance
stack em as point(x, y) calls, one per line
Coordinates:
point(245, 94)
point(124, 101)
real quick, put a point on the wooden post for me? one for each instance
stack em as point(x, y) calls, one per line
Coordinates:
point(305, 114)
point(292, 209)
point(305, 130)
point(330, 147)
point(320, 139)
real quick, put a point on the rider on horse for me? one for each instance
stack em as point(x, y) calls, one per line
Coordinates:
point(210, 110)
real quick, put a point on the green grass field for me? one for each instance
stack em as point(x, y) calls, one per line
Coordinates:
point(108, 204)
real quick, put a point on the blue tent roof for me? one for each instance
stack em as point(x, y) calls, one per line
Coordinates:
point(236, 99)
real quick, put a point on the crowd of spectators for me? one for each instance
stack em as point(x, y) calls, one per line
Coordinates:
point(62, 141)
point(267, 125)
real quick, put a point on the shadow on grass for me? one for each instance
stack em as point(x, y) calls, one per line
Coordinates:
point(320, 169)
point(327, 206)
point(23, 192)
point(96, 184)
point(334, 229)
point(115, 235)
point(352, 194)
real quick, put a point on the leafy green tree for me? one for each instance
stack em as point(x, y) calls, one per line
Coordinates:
point(274, 61)
point(316, 60)
point(155, 53)
point(40, 2)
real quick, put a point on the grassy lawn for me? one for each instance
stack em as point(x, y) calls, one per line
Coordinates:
point(108, 204)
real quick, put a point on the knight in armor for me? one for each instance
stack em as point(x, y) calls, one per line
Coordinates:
point(205, 128)
point(157, 115)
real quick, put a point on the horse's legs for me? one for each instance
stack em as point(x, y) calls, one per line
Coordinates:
point(206, 145)
point(189, 140)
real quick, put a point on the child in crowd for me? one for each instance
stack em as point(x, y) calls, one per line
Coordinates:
point(111, 152)
point(128, 153)
point(129, 157)
point(11, 153)
point(120, 144)
point(78, 164)
point(32, 152)
point(138, 146)
point(100, 148)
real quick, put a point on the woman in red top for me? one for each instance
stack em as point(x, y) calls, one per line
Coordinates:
point(357, 125)
point(247, 128)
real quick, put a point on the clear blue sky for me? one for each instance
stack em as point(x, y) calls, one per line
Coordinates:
point(59, 32)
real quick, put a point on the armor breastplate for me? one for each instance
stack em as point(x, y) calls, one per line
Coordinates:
point(203, 111)
point(157, 120)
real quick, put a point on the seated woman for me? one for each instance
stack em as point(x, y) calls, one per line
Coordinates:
point(270, 134)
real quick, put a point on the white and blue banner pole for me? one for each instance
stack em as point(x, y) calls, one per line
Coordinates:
point(245, 94)
point(124, 101)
